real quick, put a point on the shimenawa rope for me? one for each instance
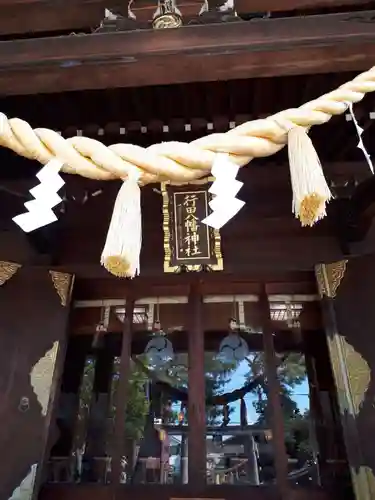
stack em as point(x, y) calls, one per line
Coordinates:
point(183, 162)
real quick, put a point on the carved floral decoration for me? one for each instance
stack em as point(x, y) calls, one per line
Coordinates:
point(7, 270)
point(329, 277)
point(63, 283)
point(359, 375)
point(41, 377)
point(25, 490)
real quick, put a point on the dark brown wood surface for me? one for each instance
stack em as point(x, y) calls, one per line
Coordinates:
point(290, 5)
point(259, 239)
point(254, 5)
point(277, 418)
point(31, 320)
point(268, 47)
point(264, 238)
point(197, 463)
point(263, 241)
point(35, 16)
point(355, 314)
point(166, 492)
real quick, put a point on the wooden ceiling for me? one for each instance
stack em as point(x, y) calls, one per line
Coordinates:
point(148, 115)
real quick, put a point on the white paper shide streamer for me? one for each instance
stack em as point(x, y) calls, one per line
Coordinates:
point(360, 131)
point(39, 211)
point(225, 205)
point(122, 248)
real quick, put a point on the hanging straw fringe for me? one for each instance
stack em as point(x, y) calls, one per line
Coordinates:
point(310, 188)
point(123, 244)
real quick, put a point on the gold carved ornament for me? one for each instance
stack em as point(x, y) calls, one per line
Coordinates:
point(63, 284)
point(359, 374)
point(26, 489)
point(351, 371)
point(7, 271)
point(371, 481)
point(41, 377)
point(329, 277)
point(167, 15)
point(167, 21)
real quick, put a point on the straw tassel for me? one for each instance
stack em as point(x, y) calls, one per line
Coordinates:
point(310, 189)
point(124, 239)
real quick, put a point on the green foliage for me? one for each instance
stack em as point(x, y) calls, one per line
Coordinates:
point(291, 372)
point(137, 407)
point(217, 374)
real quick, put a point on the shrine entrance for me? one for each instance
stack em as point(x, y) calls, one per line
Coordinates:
point(223, 392)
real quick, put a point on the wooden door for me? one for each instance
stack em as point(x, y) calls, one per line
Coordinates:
point(33, 326)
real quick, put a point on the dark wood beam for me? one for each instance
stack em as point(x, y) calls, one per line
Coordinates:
point(293, 282)
point(265, 48)
point(284, 5)
point(35, 16)
point(246, 6)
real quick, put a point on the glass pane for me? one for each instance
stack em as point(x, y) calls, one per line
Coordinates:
point(298, 424)
point(78, 454)
point(155, 445)
point(238, 433)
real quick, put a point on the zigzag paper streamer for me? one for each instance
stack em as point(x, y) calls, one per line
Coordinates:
point(360, 131)
point(39, 211)
point(225, 205)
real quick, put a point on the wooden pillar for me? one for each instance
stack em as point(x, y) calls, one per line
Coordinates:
point(277, 422)
point(61, 436)
point(348, 306)
point(34, 309)
point(197, 405)
point(97, 427)
point(121, 396)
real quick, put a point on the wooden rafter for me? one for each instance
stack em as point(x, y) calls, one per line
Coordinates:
point(269, 47)
point(48, 16)
point(35, 16)
point(254, 5)
point(337, 172)
point(291, 5)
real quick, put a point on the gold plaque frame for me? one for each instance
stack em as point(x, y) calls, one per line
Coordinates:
point(168, 267)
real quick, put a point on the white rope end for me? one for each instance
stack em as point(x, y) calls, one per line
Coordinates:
point(310, 189)
point(124, 239)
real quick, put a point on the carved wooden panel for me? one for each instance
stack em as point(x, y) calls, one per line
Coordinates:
point(355, 314)
point(33, 325)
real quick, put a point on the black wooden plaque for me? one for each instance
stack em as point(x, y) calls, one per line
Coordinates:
point(188, 243)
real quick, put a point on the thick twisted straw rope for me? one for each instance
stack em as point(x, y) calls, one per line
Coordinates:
point(178, 161)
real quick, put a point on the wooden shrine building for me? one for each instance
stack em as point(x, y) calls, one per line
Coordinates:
point(240, 363)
